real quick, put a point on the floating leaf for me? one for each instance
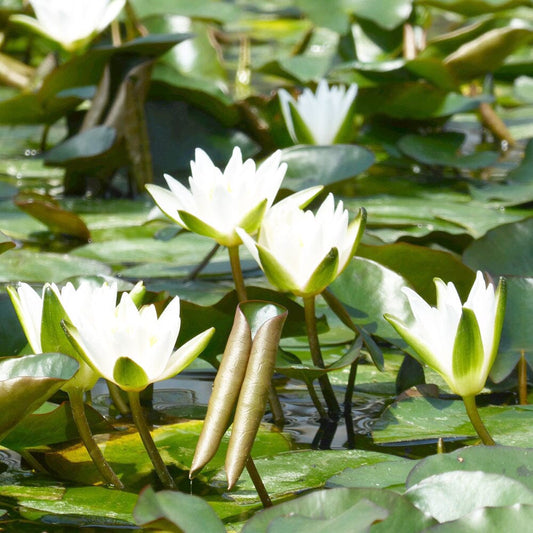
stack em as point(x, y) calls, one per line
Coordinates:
point(27, 381)
point(50, 213)
point(514, 463)
point(402, 517)
point(175, 511)
point(450, 495)
point(323, 165)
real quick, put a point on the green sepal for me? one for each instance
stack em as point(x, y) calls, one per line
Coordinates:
point(194, 224)
point(360, 222)
point(345, 131)
point(468, 356)
point(251, 222)
point(53, 338)
point(301, 131)
point(501, 296)
point(129, 376)
point(275, 272)
point(137, 294)
point(324, 274)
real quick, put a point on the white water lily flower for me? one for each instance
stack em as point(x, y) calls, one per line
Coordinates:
point(44, 336)
point(133, 347)
point(459, 341)
point(323, 117)
point(302, 252)
point(218, 202)
point(71, 23)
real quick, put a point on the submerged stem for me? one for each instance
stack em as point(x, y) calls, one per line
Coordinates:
point(77, 406)
point(236, 270)
point(473, 414)
point(316, 355)
point(149, 444)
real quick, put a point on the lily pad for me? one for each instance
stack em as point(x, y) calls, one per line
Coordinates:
point(27, 381)
point(450, 495)
point(402, 517)
point(287, 473)
point(323, 165)
point(514, 463)
point(42, 267)
point(422, 420)
point(176, 442)
point(175, 510)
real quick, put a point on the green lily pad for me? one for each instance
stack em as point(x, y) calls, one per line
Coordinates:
point(309, 166)
point(387, 14)
point(428, 419)
point(419, 265)
point(473, 7)
point(51, 424)
point(176, 443)
point(42, 267)
point(516, 517)
point(402, 517)
point(27, 381)
point(175, 511)
point(514, 463)
point(444, 149)
point(504, 250)
point(369, 290)
point(450, 495)
point(385, 475)
point(287, 473)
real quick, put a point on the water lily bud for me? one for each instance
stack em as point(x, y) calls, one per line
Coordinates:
point(303, 252)
point(71, 23)
point(459, 341)
point(323, 117)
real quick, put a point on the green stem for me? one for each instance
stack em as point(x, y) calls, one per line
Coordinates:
point(203, 263)
point(473, 414)
point(236, 270)
point(149, 444)
point(258, 483)
point(522, 379)
point(348, 395)
point(316, 355)
point(77, 406)
point(116, 397)
point(316, 401)
point(275, 406)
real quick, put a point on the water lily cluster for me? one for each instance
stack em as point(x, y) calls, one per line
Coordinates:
point(301, 251)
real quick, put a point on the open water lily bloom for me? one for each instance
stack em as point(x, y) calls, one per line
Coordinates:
point(134, 347)
point(323, 117)
point(217, 202)
point(71, 23)
point(42, 334)
point(303, 252)
point(459, 341)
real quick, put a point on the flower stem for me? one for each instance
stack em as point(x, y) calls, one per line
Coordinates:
point(117, 399)
point(203, 263)
point(258, 483)
point(522, 379)
point(316, 355)
point(236, 270)
point(473, 414)
point(77, 406)
point(149, 444)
